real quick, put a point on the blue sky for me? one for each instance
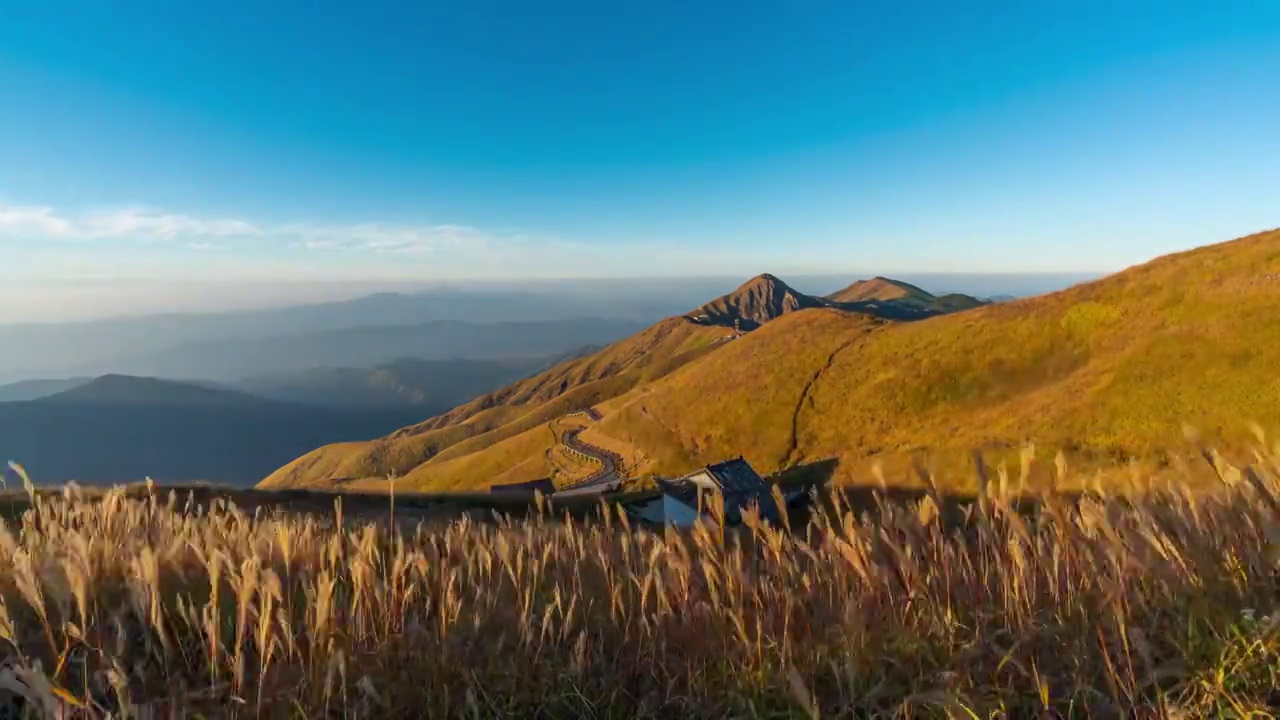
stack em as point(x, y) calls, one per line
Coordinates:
point(322, 141)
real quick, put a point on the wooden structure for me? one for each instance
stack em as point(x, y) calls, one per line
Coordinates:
point(678, 501)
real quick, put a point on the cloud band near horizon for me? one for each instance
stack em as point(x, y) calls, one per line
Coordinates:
point(39, 222)
point(46, 239)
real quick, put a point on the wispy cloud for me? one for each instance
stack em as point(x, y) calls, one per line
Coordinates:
point(384, 238)
point(43, 222)
point(31, 220)
point(163, 226)
point(144, 240)
point(36, 223)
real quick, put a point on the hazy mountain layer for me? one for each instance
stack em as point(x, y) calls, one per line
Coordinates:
point(121, 429)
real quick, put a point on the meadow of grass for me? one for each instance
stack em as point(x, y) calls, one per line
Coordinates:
point(145, 603)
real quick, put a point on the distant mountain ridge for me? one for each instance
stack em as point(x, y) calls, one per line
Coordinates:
point(121, 429)
point(123, 345)
point(32, 389)
point(159, 344)
point(433, 385)
point(230, 360)
point(140, 391)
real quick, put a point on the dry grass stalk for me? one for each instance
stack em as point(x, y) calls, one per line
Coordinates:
point(1163, 602)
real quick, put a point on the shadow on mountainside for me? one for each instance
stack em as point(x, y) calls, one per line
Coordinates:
point(817, 474)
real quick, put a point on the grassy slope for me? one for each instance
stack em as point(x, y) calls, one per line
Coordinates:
point(741, 400)
point(1107, 369)
point(505, 457)
point(434, 453)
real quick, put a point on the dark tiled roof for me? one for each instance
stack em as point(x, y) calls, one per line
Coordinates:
point(737, 476)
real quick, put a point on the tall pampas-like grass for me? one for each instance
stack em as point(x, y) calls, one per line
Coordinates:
point(1162, 603)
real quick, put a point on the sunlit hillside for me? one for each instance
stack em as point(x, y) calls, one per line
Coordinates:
point(1107, 372)
point(501, 416)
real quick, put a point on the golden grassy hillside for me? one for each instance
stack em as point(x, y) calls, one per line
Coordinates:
point(743, 397)
point(494, 421)
point(520, 450)
point(1105, 371)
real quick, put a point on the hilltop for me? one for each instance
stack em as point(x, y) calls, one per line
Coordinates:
point(754, 303)
point(765, 298)
point(880, 288)
point(899, 300)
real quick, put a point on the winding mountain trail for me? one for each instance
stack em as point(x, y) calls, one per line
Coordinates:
point(607, 477)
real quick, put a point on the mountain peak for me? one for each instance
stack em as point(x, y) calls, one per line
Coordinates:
point(754, 303)
point(882, 289)
point(898, 300)
point(116, 389)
